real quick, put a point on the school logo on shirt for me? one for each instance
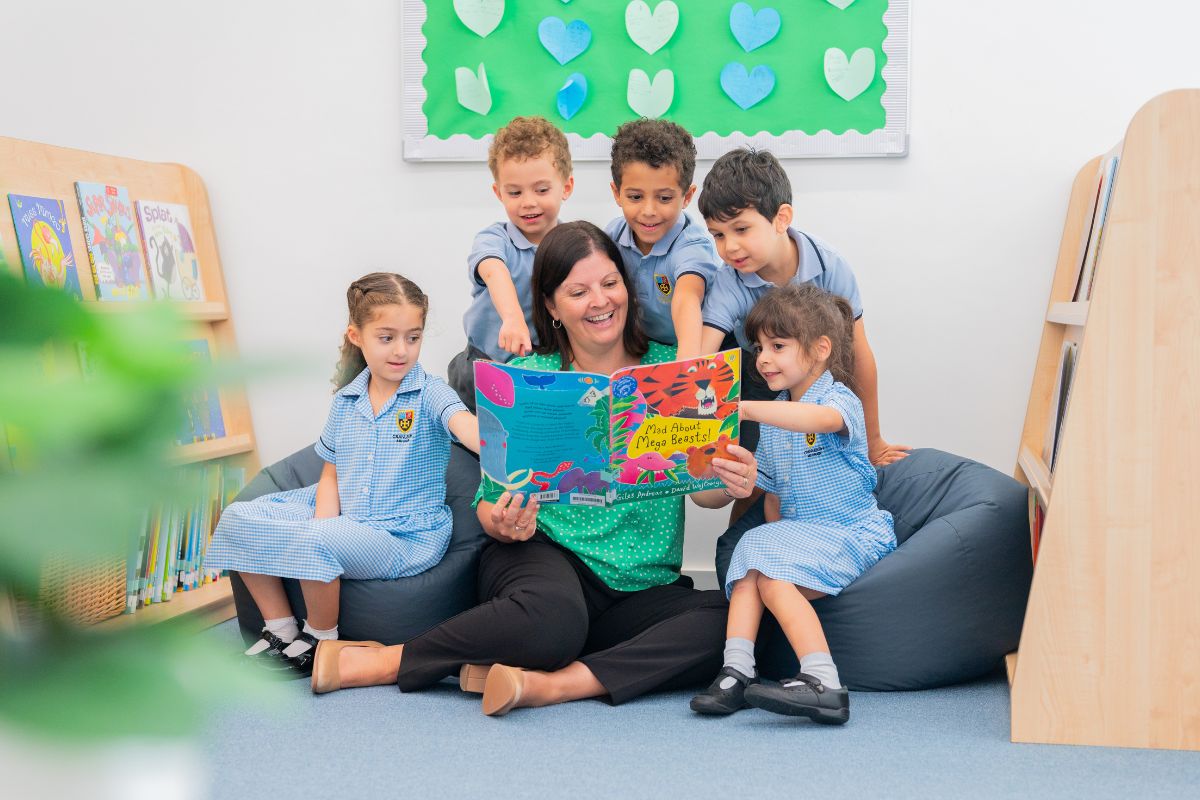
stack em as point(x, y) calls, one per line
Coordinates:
point(405, 419)
point(810, 439)
point(663, 283)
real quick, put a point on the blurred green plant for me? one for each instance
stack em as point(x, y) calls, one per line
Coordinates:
point(91, 452)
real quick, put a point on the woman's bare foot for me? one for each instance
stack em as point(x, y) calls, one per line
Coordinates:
point(369, 666)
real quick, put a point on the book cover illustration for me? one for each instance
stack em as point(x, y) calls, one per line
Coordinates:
point(170, 253)
point(587, 439)
point(202, 419)
point(44, 242)
point(113, 246)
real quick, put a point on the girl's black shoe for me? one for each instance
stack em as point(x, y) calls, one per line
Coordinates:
point(267, 654)
point(715, 700)
point(303, 662)
point(802, 696)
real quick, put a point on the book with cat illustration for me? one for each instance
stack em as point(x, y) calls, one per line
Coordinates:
point(170, 251)
point(583, 438)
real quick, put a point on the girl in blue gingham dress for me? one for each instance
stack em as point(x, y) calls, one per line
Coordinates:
point(378, 510)
point(824, 528)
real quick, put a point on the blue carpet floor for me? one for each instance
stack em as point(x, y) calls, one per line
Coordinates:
point(380, 743)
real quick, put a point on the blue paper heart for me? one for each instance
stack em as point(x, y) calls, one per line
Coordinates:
point(747, 89)
point(564, 41)
point(571, 95)
point(753, 30)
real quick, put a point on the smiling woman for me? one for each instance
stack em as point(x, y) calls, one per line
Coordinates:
point(578, 601)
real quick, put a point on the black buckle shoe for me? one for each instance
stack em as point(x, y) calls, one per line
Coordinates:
point(802, 696)
point(270, 657)
point(715, 700)
point(303, 663)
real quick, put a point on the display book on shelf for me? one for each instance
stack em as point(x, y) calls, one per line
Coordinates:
point(1117, 574)
point(219, 437)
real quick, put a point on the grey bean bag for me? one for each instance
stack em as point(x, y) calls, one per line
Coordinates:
point(391, 612)
point(946, 605)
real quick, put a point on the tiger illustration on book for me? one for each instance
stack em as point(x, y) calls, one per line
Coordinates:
point(695, 393)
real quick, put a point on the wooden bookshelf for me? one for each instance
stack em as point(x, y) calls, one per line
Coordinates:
point(43, 170)
point(1110, 649)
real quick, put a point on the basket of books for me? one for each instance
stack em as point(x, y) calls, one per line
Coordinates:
point(84, 593)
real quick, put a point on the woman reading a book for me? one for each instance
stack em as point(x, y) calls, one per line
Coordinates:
point(581, 601)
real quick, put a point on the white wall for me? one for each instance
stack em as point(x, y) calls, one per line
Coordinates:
point(291, 113)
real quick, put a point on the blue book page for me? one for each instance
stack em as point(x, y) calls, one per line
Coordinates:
point(543, 433)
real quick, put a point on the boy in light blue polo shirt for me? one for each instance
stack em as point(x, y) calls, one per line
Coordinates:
point(747, 204)
point(667, 255)
point(531, 164)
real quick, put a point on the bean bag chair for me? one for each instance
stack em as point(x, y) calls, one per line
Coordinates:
point(946, 605)
point(391, 612)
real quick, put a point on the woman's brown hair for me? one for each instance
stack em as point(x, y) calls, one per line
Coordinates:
point(806, 313)
point(362, 298)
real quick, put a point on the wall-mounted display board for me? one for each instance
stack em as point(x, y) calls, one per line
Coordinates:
point(798, 77)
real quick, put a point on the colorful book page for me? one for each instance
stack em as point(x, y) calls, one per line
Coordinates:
point(170, 251)
point(44, 242)
point(112, 240)
point(587, 439)
point(202, 419)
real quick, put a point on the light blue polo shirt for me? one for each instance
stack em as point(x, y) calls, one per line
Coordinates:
point(734, 293)
point(392, 464)
point(686, 249)
point(481, 323)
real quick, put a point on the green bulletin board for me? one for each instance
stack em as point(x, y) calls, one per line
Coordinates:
point(802, 77)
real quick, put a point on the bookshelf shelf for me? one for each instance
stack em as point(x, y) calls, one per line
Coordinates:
point(1068, 313)
point(1118, 567)
point(47, 171)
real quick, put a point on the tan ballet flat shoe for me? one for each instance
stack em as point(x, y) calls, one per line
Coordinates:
point(325, 677)
point(502, 690)
point(472, 677)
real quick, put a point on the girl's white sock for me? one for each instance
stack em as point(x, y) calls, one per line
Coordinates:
point(821, 667)
point(299, 646)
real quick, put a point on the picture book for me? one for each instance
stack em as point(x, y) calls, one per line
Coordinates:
point(1095, 236)
point(1058, 403)
point(170, 253)
point(581, 438)
point(112, 240)
point(202, 418)
point(44, 242)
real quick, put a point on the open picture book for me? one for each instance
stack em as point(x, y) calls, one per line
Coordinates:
point(588, 439)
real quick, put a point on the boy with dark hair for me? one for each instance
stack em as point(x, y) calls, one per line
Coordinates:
point(668, 256)
point(747, 204)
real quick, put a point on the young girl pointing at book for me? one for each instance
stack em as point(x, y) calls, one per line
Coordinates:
point(378, 510)
point(828, 530)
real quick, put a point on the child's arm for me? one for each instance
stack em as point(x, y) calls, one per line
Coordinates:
point(710, 340)
point(328, 504)
point(738, 476)
point(465, 427)
point(798, 417)
point(685, 314)
point(514, 333)
point(866, 382)
point(771, 507)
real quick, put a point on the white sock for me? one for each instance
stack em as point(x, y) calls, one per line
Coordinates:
point(739, 655)
point(299, 646)
point(284, 627)
point(821, 667)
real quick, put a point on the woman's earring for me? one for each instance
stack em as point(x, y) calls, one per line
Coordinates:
point(555, 324)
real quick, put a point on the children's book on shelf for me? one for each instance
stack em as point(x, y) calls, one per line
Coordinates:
point(113, 245)
point(1095, 230)
point(1058, 403)
point(202, 419)
point(170, 251)
point(1037, 518)
point(583, 438)
point(44, 242)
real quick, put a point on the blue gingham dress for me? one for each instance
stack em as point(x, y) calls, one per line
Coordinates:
point(830, 529)
point(391, 475)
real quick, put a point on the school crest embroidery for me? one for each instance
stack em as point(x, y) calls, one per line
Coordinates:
point(663, 284)
point(810, 439)
point(405, 419)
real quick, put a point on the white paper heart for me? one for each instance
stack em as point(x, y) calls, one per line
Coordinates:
point(473, 91)
point(651, 98)
point(650, 30)
point(481, 16)
point(842, 4)
point(849, 78)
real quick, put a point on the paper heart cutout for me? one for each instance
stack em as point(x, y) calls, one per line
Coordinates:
point(842, 4)
point(474, 94)
point(753, 30)
point(747, 88)
point(564, 41)
point(650, 98)
point(849, 78)
point(650, 30)
point(571, 96)
point(481, 16)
